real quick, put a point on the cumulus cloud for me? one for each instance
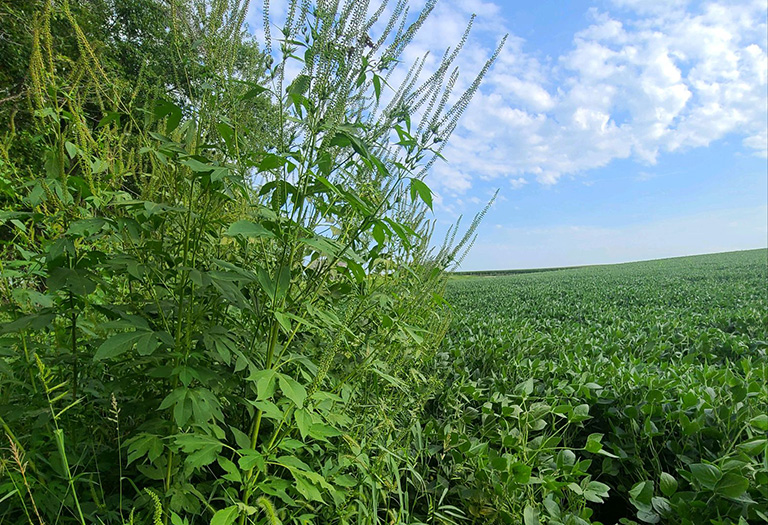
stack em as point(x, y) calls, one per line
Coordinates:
point(653, 77)
point(641, 79)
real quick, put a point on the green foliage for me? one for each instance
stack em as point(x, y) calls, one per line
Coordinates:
point(220, 303)
point(218, 299)
point(641, 385)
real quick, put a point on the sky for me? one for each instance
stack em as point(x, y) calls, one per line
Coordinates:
point(614, 130)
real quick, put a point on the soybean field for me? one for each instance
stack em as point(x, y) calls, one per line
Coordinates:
point(631, 393)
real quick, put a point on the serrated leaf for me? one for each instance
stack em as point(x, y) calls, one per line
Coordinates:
point(322, 431)
point(233, 473)
point(268, 409)
point(265, 383)
point(251, 459)
point(253, 92)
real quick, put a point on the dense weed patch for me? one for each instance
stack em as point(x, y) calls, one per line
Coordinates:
point(218, 290)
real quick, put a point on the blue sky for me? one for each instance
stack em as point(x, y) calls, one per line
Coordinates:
point(615, 130)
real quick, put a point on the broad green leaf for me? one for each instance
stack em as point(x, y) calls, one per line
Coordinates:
point(99, 166)
point(251, 459)
point(422, 190)
point(165, 108)
point(579, 413)
point(300, 85)
point(530, 516)
point(760, 422)
point(284, 321)
point(594, 444)
point(306, 488)
point(521, 473)
point(227, 132)
point(303, 421)
point(642, 492)
point(732, 485)
point(292, 389)
point(268, 409)
point(265, 382)
point(283, 281)
point(346, 481)
point(754, 446)
point(197, 166)
point(147, 343)
point(226, 516)
point(248, 229)
point(253, 92)
point(233, 473)
point(118, 344)
point(292, 462)
point(667, 484)
point(203, 450)
point(78, 282)
point(322, 431)
point(648, 516)
point(110, 116)
point(499, 463)
point(271, 161)
point(661, 505)
point(71, 149)
point(706, 475)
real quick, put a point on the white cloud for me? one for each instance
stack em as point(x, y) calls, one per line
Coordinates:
point(643, 78)
point(662, 80)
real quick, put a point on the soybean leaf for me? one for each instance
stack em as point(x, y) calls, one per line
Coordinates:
point(706, 475)
point(594, 443)
point(760, 422)
point(667, 484)
point(642, 492)
point(732, 485)
point(530, 516)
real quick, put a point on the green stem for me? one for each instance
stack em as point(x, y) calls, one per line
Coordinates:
point(75, 363)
